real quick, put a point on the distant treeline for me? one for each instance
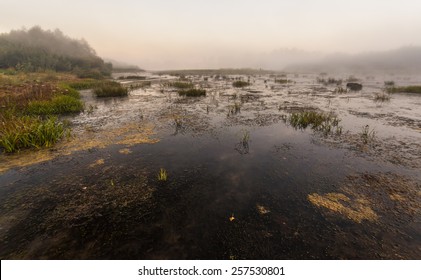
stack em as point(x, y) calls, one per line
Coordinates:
point(39, 50)
point(223, 71)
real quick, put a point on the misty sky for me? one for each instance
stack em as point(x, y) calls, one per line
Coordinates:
point(159, 34)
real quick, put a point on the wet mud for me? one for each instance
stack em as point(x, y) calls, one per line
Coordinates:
point(242, 182)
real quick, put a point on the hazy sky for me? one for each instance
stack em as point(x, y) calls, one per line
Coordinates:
point(158, 34)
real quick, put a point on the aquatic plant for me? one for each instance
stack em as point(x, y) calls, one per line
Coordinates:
point(132, 77)
point(329, 81)
point(18, 133)
point(192, 92)
point(110, 89)
point(326, 123)
point(83, 84)
point(282, 81)
point(354, 86)
point(389, 83)
point(367, 135)
point(243, 146)
point(352, 79)
point(381, 97)
point(240, 84)
point(234, 109)
point(182, 85)
point(340, 90)
point(246, 137)
point(162, 175)
point(407, 89)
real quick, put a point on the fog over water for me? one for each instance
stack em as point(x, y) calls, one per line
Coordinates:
point(212, 34)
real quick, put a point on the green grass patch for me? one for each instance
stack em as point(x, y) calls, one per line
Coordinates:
point(25, 132)
point(408, 89)
point(61, 104)
point(240, 84)
point(192, 92)
point(110, 89)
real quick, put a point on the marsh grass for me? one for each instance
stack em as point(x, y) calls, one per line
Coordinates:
point(325, 123)
point(62, 104)
point(243, 146)
point(234, 109)
point(407, 89)
point(381, 97)
point(182, 85)
point(389, 83)
point(367, 135)
point(162, 175)
point(282, 81)
point(30, 104)
point(132, 77)
point(24, 132)
point(340, 89)
point(110, 89)
point(240, 84)
point(83, 84)
point(329, 81)
point(140, 85)
point(192, 92)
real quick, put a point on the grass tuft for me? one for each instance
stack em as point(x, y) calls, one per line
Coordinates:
point(192, 92)
point(381, 97)
point(162, 175)
point(181, 85)
point(318, 121)
point(18, 133)
point(240, 84)
point(367, 135)
point(110, 89)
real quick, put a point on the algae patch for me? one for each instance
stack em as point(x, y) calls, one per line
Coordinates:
point(355, 209)
point(371, 197)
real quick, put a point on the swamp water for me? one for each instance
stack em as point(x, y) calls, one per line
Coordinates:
point(242, 183)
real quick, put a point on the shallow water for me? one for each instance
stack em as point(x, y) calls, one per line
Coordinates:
point(294, 194)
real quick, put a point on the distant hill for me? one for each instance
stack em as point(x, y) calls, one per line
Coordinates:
point(402, 60)
point(37, 49)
